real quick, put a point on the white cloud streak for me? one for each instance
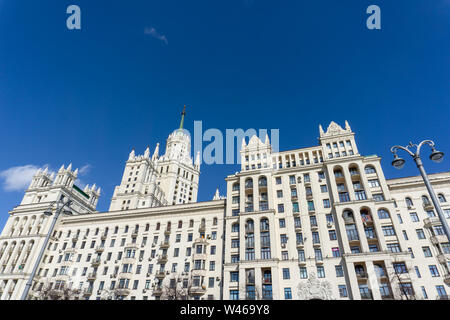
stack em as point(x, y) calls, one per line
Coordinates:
point(155, 34)
point(85, 169)
point(18, 178)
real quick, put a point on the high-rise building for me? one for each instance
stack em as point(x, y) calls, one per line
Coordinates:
point(320, 222)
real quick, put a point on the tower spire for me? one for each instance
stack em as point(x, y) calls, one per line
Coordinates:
point(182, 117)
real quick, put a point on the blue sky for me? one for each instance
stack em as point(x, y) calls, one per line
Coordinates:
point(89, 96)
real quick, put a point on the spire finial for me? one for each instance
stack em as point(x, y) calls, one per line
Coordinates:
point(182, 117)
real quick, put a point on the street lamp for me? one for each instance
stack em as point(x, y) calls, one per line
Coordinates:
point(435, 156)
point(60, 205)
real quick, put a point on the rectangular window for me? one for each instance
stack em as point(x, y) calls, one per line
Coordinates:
point(287, 293)
point(342, 291)
point(303, 273)
point(388, 230)
point(339, 271)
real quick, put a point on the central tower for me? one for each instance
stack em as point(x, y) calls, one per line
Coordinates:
point(160, 180)
point(178, 174)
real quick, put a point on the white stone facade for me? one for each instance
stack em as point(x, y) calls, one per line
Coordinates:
point(314, 223)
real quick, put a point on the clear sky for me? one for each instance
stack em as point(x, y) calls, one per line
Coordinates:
point(88, 96)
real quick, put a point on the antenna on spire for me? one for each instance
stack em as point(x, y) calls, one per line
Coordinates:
point(182, 117)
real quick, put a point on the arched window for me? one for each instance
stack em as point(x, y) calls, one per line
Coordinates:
point(264, 224)
point(158, 226)
point(383, 214)
point(409, 202)
point(191, 223)
point(215, 221)
point(236, 186)
point(248, 183)
point(235, 227)
point(338, 173)
point(441, 198)
point(180, 224)
point(425, 200)
point(262, 182)
point(359, 269)
point(348, 216)
point(353, 170)
point(379, 270)
point(126, 229)
point(369, 169)
point(249, 226)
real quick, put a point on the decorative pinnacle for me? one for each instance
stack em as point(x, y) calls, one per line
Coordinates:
point(182, 117)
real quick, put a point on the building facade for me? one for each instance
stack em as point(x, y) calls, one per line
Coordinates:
point(320, 222)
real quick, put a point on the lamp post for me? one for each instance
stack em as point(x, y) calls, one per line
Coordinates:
point(435, 156)
point(60, 205)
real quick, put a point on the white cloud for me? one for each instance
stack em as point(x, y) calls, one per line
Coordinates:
point(85, 169)
point(152, 32)
point(18, 178)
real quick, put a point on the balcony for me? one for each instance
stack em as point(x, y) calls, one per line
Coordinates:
point(160, 274)
point(309, 196)
point(311, 210)
point(131, 246)
point(300, 245)
point(103, 236)
point(96, 262)
point(202, 228)
point(162, 259)
point(447, 279)
point(157, 291)
point(197, 290)
point(440, 238)
point(164, 245)
point(167, 232)
point(128, 259)
point(316, 244)
point(123, 291)
point(125, 275)
point(135, 233)
point(371, 237)
point(298, 228)
point(427, 206)
point(361, 276)
point(100, 249)
point(92, 276)
point(444, 258)
point(87, 292)
point(432, 221)
point(75, 238)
